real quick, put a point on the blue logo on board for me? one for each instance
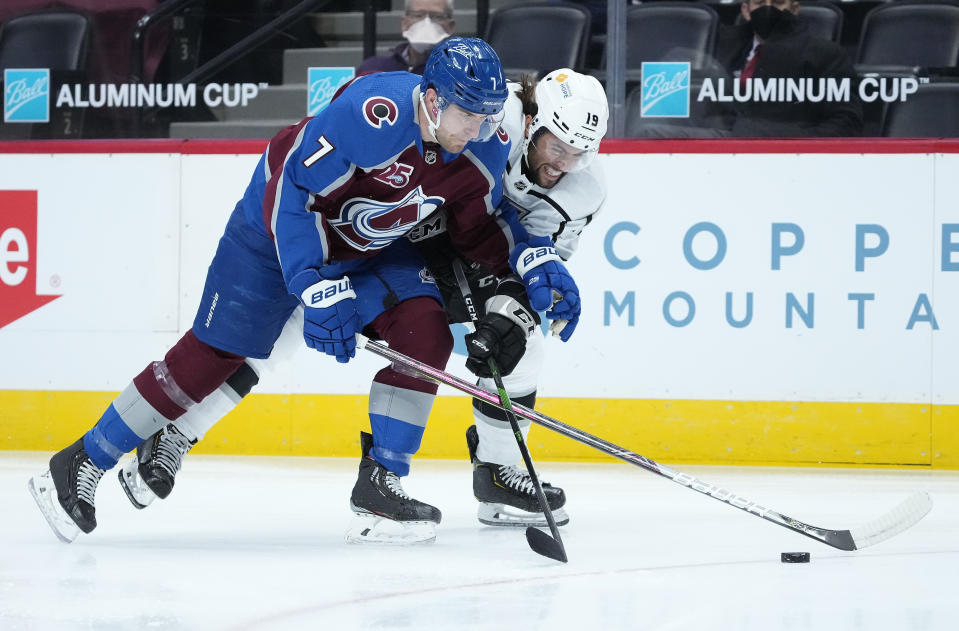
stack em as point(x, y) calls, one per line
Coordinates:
point(26, 95)
point(665, 90)
point(322, 84)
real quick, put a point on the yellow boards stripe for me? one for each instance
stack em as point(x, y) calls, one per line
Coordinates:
point(671, 431)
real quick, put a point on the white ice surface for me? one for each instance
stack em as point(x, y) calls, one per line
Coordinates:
point(257, 543)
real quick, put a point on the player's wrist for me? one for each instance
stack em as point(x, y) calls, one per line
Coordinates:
point(531, 254)
point(317, 292)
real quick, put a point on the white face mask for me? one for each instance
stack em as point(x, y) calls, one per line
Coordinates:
point(425, 34)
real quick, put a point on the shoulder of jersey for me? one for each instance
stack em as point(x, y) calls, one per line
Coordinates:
point(580, 193)
point(493, 152)
point(374, 113)
point(514, 122)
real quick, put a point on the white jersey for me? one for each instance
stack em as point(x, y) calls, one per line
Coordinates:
point(560, 212)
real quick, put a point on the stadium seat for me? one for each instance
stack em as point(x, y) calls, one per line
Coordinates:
point(54, 40)
point(670, 31)
point(58, 41)
point(910, 34)
point(932, 112)
point(822, 19)
point(540, 36)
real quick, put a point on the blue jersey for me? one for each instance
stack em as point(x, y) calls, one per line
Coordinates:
point(348, 182)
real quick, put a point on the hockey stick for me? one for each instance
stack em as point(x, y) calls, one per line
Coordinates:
point(900, 518)
point(539, 541)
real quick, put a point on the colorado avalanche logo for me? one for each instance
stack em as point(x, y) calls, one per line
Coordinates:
point(502, 135)
point(368, 224)
point(378, 109)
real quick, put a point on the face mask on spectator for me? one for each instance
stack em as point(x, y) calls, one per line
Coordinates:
point(765, 19)
point(425, 34)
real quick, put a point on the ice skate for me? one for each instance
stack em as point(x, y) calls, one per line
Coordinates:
point(384, 512)
point(152, 472)
point(65, 492)
point(506, 493)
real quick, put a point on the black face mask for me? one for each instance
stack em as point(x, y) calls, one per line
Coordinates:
point(765, 19)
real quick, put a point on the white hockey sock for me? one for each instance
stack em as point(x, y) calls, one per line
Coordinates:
point(201, 417)
point(496, 441)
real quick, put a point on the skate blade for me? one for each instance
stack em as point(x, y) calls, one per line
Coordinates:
point(133, 485)
point(369, 528)
point(45, 495)
point(503, 515)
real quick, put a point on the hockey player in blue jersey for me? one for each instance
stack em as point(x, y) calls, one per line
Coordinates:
point(319, 227)
point(552, 179)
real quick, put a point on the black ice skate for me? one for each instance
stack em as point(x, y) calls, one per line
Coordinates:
point(385, 513)
point(65, 492)
point(506, 493)
point(152, 472)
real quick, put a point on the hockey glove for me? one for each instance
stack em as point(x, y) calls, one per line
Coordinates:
point(548, 283)
point(330, 320)
point(500, 334)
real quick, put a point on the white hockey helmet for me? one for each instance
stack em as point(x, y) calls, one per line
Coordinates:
point(573, 107)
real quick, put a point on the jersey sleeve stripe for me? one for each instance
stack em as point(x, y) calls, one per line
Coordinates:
point(274, 194)
point(549, 200)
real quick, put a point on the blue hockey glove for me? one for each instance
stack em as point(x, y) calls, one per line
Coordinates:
point(330, 321)
point(548, 284)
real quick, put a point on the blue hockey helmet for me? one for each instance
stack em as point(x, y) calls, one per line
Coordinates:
point(465, 71)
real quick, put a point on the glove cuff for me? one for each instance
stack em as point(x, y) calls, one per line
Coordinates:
point(526, 256)
point(320, 293)
point(512, 310)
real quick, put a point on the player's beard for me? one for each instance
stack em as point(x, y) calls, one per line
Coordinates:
point(543, 174)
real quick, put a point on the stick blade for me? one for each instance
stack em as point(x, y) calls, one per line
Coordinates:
point(901, 518)
point(542, 543)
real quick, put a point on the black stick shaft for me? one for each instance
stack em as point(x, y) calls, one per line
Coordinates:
point(507, 407)
point(891, 523)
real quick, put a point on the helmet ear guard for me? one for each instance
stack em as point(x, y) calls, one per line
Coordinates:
point(573, 107)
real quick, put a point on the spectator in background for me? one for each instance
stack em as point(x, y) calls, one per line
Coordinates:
point(771, 42)
point(425, 24)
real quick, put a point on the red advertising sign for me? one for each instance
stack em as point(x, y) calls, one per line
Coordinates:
point(18, 256)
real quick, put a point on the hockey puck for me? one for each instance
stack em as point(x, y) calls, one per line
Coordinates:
point(794, 557)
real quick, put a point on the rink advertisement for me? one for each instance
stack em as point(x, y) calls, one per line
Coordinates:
point(789, 303)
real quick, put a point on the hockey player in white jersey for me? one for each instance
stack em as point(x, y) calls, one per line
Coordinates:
point(556, 186)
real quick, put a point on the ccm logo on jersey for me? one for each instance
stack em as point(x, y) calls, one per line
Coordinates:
point(428, 228)
point(368, 224)
point(377, 109)
point(327, 293)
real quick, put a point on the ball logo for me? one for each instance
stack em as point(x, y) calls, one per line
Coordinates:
point(26, 95)
point(18, 247)
point(368, 224)
point(665, 90)
point(323, 84)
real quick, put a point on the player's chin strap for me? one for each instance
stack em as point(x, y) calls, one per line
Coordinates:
point(429, 121)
